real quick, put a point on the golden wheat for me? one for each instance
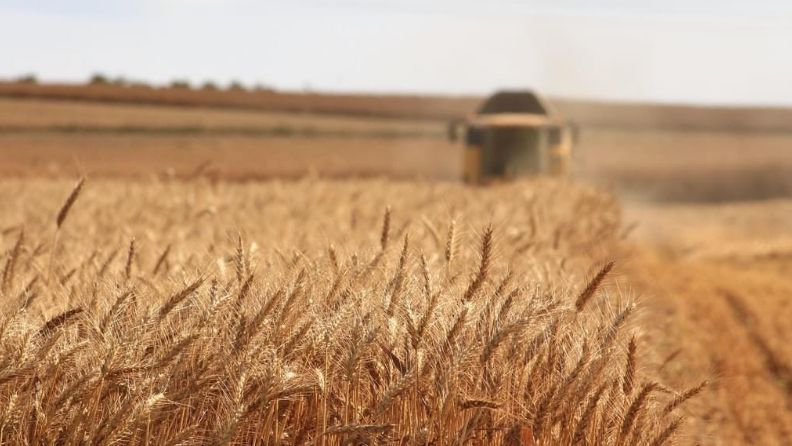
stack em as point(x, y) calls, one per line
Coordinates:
point(278, 319)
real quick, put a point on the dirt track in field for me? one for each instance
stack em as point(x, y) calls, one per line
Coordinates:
point(715, 281)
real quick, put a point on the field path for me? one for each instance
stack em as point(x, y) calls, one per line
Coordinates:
point(716, 281)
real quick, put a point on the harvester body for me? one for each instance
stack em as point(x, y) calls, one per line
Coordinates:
point(515, 134)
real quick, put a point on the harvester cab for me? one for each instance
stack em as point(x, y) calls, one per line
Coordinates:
point(514, 134)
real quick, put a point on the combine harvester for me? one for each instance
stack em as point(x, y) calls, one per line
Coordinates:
point(514, 134)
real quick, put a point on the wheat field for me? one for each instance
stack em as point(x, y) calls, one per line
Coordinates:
point(321, 312)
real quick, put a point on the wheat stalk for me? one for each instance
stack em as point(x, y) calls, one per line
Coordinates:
point(450, 242)
point(686, 395)
point(67, 205)
point(130, 259)
point(637, 405)
point(58, 321)
point(10, 266)
point(592, 286)
point(484, 266)
point(385, 233)
point(663, 436)
point(629, 368)
point(176, 298)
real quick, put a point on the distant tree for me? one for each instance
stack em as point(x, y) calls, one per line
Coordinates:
point(27, 79)
point(98, 79)
point(120, 81)
point(180, 84)
point(138, 84)
point(262, 87)
point(236, 86)
point(209, 85)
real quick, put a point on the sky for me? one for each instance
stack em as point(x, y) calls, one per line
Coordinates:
point(673, 51)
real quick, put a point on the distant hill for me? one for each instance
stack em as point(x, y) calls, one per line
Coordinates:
point(396, 106)
point(635, 116)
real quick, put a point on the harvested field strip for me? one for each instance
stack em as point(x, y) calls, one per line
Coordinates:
point(393, 106)
point(40, 113)
point(273, 131)
point(731, 322)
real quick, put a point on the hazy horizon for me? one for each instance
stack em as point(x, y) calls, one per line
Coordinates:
point(706, 53)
